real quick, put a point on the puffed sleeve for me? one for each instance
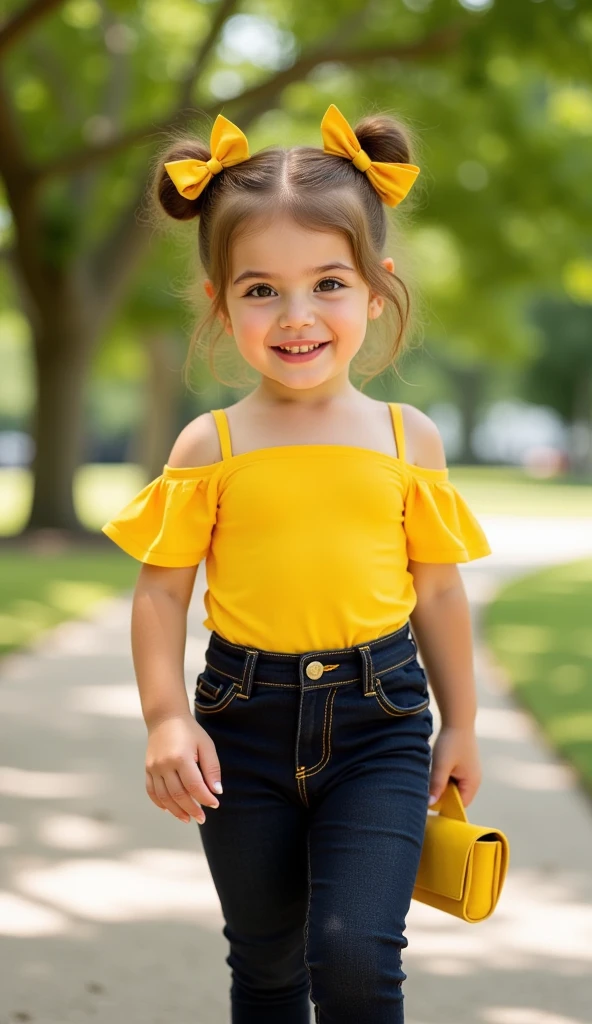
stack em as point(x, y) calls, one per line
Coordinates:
point(439, 524)
point(170, 521)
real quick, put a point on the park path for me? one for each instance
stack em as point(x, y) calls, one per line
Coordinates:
point(107, 909)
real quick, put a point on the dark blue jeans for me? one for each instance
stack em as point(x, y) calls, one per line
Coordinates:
point(315, 846)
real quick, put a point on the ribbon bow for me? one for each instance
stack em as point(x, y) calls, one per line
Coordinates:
point(228, 146)
point(392, 181)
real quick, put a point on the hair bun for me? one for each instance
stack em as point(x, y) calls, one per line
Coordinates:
point(384, 139)
point(171, 200)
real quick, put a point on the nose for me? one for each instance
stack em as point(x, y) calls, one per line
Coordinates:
point(296, 314)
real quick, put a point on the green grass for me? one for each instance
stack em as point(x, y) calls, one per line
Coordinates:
point(39, 591)
point(501, 490)
point(539, 629)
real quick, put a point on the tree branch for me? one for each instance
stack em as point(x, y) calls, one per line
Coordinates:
point(116, 256)
point(257, 99)
point(15, 27)
point(222, 13)
point(22, 198)
point(439, 42)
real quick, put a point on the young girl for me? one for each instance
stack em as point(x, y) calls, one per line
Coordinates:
point(328, 526)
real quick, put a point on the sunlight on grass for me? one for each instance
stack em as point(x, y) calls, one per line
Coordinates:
point(38, 591)
point(520, 638)
point(101, 490)
point(506, 490)
point(70, 596)
point(16, 493)
point(539, 630)
point(568, 678)
point(572, 728)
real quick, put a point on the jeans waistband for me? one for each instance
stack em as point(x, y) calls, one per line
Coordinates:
point(246, 665)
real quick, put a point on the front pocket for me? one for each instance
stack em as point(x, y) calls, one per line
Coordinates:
point(403, 689)
point(213, 692)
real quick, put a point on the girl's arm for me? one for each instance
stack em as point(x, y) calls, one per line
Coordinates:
point(161, 602)
point(158, 635)
point(182, 766)
point(441, 625)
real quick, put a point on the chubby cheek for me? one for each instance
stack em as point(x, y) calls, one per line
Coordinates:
point(347, 321)
point(252, 326)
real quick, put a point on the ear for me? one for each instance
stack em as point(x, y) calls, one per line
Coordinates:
point(376, 303)
point(211, 294)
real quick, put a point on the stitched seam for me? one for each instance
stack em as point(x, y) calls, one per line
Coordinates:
point(391, 710)
point(318, 686)
point(306, 925)
point(214, 668)
point(307, 771)
point(398, 665)
point(202, 684)
point(302, 789)
point(318, 767)
point(218, 707)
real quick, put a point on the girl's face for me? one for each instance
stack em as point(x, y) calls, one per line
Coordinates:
point(291, 287)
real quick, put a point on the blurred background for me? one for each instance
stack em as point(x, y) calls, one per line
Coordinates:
point(94, 334)
point(496, 245)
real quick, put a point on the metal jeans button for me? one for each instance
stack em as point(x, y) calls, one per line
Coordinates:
point(315, 669)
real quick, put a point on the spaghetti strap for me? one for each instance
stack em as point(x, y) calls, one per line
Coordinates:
point(223, 432)
point(397, 417)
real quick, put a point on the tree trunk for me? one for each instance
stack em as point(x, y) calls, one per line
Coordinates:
point(61, 367)
point(468, 391)
point(153, 441)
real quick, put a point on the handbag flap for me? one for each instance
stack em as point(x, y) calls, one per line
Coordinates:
point(445, 854)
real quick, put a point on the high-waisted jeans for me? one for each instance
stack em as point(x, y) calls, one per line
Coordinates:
point(314, 849)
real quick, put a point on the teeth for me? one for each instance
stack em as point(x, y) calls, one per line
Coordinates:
point(298, 348)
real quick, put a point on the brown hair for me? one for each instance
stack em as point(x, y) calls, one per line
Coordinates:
point(319, 191)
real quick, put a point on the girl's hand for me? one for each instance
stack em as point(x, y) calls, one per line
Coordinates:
point(173, 780)
point(455, 753)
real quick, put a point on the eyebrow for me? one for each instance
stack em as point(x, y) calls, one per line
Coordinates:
point(310, 272)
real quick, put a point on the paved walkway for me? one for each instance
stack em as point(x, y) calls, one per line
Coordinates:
point(107, 909)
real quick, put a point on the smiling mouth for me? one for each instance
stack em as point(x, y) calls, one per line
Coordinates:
point(301, 346)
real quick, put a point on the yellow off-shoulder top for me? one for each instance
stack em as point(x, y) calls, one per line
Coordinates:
point(306, 546)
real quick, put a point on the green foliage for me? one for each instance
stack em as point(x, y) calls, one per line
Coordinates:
point(498, 100)
point(565, 362)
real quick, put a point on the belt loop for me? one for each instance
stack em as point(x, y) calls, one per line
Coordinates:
point(367, 673)
point(248, 672)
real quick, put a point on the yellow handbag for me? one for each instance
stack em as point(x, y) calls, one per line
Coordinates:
point(463, 866)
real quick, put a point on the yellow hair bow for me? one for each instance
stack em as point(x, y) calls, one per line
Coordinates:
point(392, 181)
point(228, 146)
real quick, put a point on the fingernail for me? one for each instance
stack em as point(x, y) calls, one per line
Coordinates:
point(432, 799)
point(218, 787)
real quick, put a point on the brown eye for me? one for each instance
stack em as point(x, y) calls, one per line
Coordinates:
point(330, 281)
point(256, 288)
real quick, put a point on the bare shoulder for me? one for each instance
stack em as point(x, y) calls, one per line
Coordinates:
point(198, 444)
point(424, 445)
